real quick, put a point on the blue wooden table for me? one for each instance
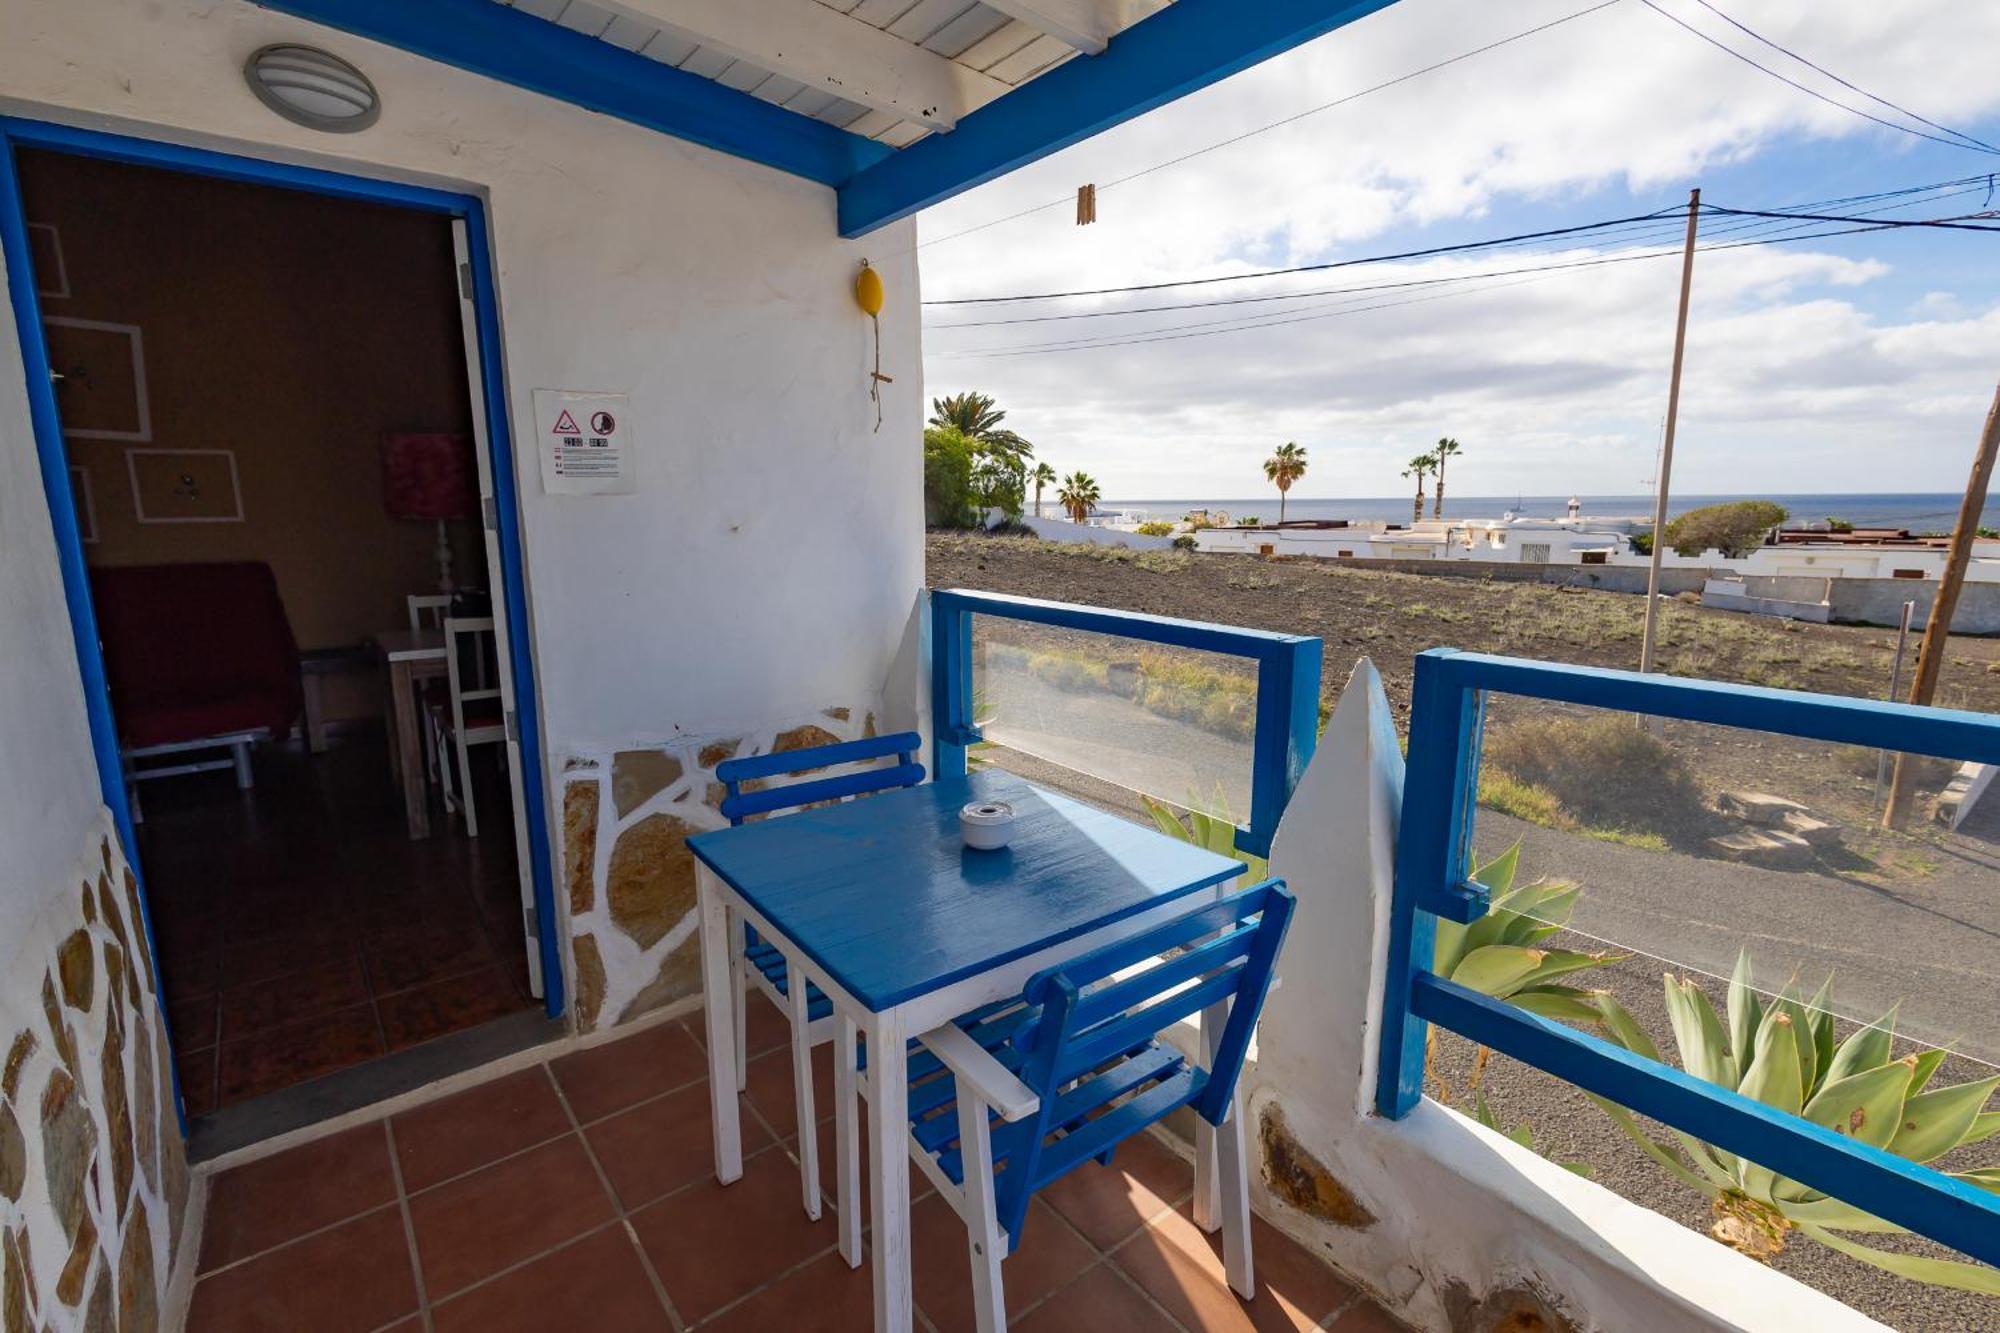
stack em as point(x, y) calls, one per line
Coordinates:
point(881, 905)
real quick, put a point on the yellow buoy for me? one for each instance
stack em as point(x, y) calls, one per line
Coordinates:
point(868, 291)
point(869, 294)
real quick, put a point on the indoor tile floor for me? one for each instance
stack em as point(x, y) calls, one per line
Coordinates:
point(578, 1193)
point(301, 931)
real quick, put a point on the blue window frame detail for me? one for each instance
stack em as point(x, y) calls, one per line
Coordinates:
point(19, 133)
point(1288, 676)
point(1433, 879)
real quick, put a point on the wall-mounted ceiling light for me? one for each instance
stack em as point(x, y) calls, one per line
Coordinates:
point(312, 88)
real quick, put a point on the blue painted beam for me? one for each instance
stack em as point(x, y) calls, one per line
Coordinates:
point(1177, 51)
point(517, 48)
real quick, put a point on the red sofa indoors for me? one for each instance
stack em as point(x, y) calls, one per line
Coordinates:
point(194, 651)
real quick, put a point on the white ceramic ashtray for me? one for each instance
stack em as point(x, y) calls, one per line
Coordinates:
point(986, 825)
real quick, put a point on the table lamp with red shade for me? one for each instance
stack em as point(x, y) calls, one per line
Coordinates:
point(430, 477)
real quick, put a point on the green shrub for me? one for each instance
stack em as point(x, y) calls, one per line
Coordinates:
point(1735, 528)
point(1604, 771)
point(1184, 542)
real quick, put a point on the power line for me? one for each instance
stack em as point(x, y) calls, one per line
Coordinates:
point(1308, 268)
point(1579, 229)
point(1786, 79)
point(1855, 87)
point(1277, 124)
point(1661, 228)
point(1177, 333)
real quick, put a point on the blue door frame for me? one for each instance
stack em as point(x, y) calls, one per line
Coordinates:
point(18, 133)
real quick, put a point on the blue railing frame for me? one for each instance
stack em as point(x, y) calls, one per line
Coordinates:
point(1288, 677)
point(1433, 868)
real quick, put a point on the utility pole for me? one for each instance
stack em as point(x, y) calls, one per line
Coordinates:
point(1667, 439)
point(1937, 627)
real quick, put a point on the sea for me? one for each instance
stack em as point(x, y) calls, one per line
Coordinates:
point(1920, 513)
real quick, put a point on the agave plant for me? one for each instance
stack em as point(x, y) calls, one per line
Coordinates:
point(1500, 954)
point(1215, 831)
point(1783, 1054)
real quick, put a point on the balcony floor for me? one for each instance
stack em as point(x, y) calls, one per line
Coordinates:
point(579, 1193)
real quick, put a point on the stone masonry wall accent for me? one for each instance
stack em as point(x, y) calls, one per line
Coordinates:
point(629, 877)
point(93, 1180)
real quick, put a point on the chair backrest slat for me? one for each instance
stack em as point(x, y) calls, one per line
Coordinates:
point(1085, 1051)
point(1081, 1030)
point(737, 808)
point(738, 805)
point(478, 632)
point(1097, 1005)
point(427, 610)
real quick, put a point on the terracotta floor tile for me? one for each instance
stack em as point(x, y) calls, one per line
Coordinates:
point(481, 1223)
point(920, 1184)
point(769, 1087)
point(400, 960)
point(262, 1005)
point(443, 1007)
point(1109, 1203)
point(282, 954)
point(1051, 1254)
point(193, 1022)
point(1181, 1268)
point(258, 1205)
point(611, 1077)
point(1102, 1299)
point(355, 1276)
point(826, 1296)
point(197, 1077)
point(765, 1029)
point(477, 1126)
point(713, 1243)
point(662, 1145)
point(1365, 1316)
point(596, 1283)
point(298, 1051)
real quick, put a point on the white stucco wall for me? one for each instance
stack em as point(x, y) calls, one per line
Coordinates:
point(768, 562)
point(48, 779)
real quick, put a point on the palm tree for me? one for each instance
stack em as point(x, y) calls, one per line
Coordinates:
point(979, 419)
point(1283, 468)
point(1078, 496)
point(1446, 448)
point(1043, 475)
point(1420, 467)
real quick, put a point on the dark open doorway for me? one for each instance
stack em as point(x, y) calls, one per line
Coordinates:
point(270, 437)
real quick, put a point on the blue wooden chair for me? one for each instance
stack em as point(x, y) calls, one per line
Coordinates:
point(1007, 1099)
point(760, 963)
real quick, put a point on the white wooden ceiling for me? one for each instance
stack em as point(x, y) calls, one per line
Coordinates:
point(889, 70)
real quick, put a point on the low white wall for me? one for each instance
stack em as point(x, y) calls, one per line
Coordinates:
point(1453, 1212)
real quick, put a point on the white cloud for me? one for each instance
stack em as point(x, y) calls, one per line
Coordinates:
point(1556, 384)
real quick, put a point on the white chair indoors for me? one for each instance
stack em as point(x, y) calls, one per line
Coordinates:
point(428, 609)
point(471, 713)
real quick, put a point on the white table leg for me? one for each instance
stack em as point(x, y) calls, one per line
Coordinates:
point(985, 1243)
point(847, 1139)
point(889, 1165)
point(1233, 1185)
point(1206, 1209)
point(719, 1005)
point(798, 992)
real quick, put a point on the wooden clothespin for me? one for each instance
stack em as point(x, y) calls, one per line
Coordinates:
point(1086, 205)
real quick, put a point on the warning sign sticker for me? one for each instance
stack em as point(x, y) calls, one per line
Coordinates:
point(594, 458)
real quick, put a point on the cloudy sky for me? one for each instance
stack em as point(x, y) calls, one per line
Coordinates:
point(1863, 364)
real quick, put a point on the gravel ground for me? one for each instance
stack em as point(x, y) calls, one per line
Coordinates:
point(1918, 922)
